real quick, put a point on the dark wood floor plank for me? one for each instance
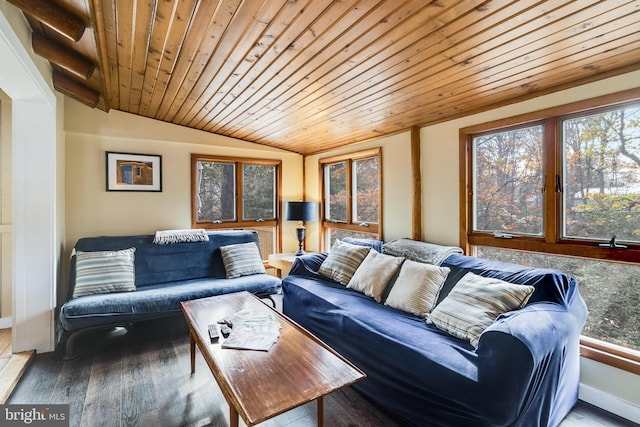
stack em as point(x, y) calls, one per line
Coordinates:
point(71, 387)
point(104, 392)
point(138, 396)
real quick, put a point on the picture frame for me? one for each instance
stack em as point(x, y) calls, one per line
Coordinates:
point(133, 171)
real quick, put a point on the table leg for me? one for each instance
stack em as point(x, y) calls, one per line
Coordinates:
point(320, 402)
point(192, 346)
point(233, 416)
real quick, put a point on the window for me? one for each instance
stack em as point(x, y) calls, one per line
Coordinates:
point(561, 188)
point(601, 155)
point(237, 193)
point(351, 196)
point(507, 170)
point(613, 304)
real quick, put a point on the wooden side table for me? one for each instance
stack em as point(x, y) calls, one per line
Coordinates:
point(282, 262)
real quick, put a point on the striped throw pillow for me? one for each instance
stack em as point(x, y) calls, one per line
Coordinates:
point(417, 287)
point(104, 272)
point(242, 259)
point(343, 261)
point(373, 274)
point(474, 303)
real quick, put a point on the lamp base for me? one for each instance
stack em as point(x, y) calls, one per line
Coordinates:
point(300, 233)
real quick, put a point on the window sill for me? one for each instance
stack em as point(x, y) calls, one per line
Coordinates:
point(609, 354)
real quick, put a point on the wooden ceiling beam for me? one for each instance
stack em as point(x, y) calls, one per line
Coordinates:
point(53, 16)
point(62, 56)
point(75, 89)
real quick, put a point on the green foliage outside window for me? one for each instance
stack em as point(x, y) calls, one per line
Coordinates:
point(258, 192)
point(337, 188)
point(610, 289)
point(216, 192)
point(602, 175)
point(508, 181)
point(367, 190)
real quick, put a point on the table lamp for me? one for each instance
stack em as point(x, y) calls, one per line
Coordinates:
point(301, 212)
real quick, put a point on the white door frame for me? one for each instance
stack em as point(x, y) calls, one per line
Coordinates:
point(33, 123)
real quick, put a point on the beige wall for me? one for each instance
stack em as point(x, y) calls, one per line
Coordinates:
point(22, 30)
point(92, 211)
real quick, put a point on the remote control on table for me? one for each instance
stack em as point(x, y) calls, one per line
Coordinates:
point(225, 330)
point(213, 332)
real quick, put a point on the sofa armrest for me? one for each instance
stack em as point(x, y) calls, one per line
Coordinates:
point(307, 265)
point(523, 348)
point(540, 326)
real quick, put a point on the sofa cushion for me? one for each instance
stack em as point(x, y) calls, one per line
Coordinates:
point(242, 259)
point(373, 275)
point(104, 272)
point(474, 303)
point(417, 287)
point(155, 300)
point(343, 261)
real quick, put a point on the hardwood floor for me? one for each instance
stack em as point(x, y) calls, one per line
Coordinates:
point(142, 378)
point(12, 366)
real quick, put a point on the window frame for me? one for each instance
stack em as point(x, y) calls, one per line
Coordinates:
point(349, 225)
point(239, 222)
point(551, 242)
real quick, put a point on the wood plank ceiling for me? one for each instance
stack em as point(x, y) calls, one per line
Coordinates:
point(312, 75)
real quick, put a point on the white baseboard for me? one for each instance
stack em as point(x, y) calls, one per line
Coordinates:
point(6, 322)
point(609, 402)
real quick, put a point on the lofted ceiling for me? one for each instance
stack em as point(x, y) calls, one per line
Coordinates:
point(313, 75)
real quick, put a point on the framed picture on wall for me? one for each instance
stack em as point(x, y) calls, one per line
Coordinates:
point(134, 172)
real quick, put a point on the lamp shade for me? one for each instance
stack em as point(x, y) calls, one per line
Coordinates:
point(301, 211)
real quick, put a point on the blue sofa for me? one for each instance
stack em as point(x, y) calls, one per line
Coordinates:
point(524, 372)
point(164, 275)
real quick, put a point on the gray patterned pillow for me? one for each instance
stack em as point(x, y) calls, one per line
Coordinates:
point(104, 272)
point(343, 261)
point(373, 275)
point(417, 287)
point(416, 250)
point(474, 303)
point(242, 259)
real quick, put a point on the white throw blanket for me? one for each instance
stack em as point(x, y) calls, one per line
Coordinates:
point(165, 237)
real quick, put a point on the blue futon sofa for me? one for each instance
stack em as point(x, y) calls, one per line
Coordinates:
point(165, 274)
point(524, 371)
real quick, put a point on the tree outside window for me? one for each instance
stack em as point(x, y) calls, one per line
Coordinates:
point(237, 193)
point(508, 180)
point(351, 196)
point(601, 155)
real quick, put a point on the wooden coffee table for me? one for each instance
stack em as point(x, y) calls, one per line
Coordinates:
point(259, 385)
